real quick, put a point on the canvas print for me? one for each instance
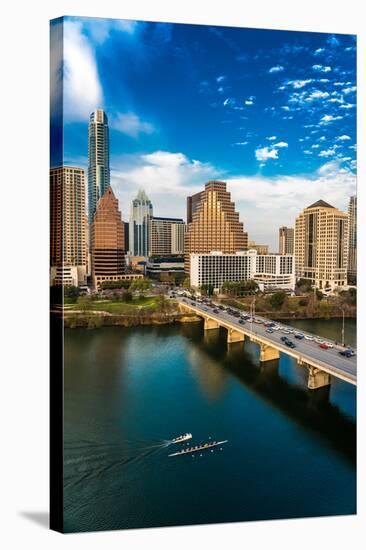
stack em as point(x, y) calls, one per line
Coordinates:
point(203, 274)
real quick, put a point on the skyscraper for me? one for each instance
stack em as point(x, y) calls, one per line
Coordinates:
point(107, 237)
point(286, 240)
point(215, 224)
point(68, 225)
point(98, 158)
point(352, 252)
point(139, 226)
point(321, 245)
point(161, 232)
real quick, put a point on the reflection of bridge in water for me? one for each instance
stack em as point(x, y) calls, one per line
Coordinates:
point(321, 363)
point(315, 411)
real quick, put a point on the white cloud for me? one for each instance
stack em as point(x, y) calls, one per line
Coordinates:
point(300, 83)
point(349, 90)
point(317, 94)
point(276, 69)
point(241, 143)
point(221, 78)
point(248, 102)
point(321, 68)
point(319, 51)
point(327, 153)
point(82, 88)
point(271, 138)
point(343, 138)
point(169, 178)
point(279, 200)
point(266, 153)
point(329, 118)
point(130, 124)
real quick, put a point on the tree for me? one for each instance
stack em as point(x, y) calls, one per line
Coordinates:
point(277, 299)
point(186, 282)
point(106, 285)
point(141, 286)
point(126, 296)
point(207, 290)
point(304, 285)
point(71, 291)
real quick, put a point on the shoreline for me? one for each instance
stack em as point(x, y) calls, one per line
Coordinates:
point(97, 319)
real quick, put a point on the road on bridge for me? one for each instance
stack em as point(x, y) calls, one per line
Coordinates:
point(328, 360)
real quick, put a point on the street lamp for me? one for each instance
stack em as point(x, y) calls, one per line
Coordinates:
point(342, 327)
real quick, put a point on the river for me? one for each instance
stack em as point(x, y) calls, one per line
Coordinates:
point(291, 451)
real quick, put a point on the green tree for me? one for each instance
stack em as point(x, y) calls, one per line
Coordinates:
point(71, 291)
point(186, 282)
point(207, 290)
point(277, 299)
point(141, 286)
point(126, 296)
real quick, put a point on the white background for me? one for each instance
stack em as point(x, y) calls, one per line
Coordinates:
point(24, 272)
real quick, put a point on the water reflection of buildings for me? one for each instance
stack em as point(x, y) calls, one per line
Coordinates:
point(211, 377)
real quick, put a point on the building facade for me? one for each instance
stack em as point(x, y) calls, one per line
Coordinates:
point(178, 231)
point(157, 267)
point(352, 245)
point(139, 225)
point(215, 224)
point(68, 226)
point(107, 236)
point(286, 237)
point(321, 245)
point(260, 248)
point(270, 271)
point(98, 160)
point(160, 236)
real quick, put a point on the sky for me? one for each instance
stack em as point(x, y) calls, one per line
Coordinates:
point(272, 113)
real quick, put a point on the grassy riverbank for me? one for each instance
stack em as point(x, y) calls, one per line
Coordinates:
point(297, 307)
point(141, 310)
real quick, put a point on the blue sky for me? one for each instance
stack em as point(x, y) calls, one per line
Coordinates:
point(270, 112)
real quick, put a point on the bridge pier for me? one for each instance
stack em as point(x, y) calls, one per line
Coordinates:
point(317, 378)
point(210, 324)
point(234, 336)
point(268, 353)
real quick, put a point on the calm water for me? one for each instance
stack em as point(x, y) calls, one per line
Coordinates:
point(291, 452)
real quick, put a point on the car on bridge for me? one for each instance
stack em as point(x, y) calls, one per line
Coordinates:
point(299, 336)
point(347, 352)
point(284, 338)
point(290, 344)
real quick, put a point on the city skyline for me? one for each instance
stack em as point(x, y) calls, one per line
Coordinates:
point(301, 85)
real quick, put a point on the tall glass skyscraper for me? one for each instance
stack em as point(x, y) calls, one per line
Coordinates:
point(139, 227)
point(98, 156)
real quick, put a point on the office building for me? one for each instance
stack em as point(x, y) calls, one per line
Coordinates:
point(107, 235)
point(98, 160)
point(352, 243)
point(260, 248)
point(157, 267)
point(178, 231)
point(161, 230)
point(214, 223)
point(270, 271)
point(321, 245)
point(192, 205)
point(139, 225)
point(68, 226)
point(127, 235)
point(286, 240)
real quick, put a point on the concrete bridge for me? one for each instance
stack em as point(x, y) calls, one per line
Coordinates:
point(321, 363)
